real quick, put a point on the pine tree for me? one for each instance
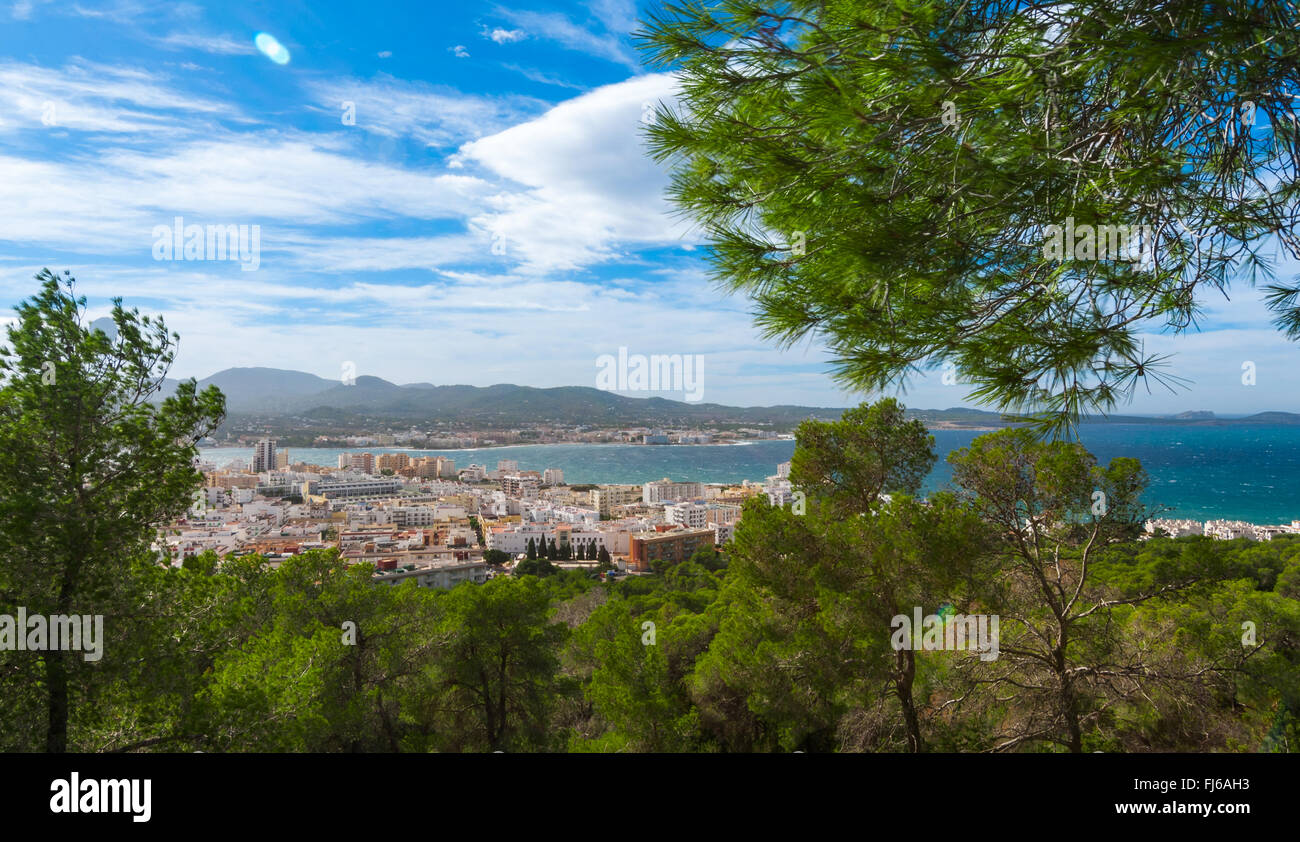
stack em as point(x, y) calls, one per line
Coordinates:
point(113, 463)
point(532, 550)
point(898, 179)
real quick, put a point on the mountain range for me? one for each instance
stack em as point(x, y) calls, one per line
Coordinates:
point(272, 392)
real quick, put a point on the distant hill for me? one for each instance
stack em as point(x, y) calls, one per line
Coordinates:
point(272, 392)
point(277, 392)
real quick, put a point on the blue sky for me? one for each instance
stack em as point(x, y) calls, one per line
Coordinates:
point(446, 193)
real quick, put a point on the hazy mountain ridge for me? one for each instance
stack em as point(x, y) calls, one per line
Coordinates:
point(282, 392)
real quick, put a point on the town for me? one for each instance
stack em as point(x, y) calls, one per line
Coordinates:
point(1222, 530)
point(422, 518)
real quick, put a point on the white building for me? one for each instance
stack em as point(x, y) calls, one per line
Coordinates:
point(437, 574)
point(519, 487)
point(413, 516)
point(553, 476)
point(687, 514)
point(667, 491)
point(514, 538)
point(357, 488)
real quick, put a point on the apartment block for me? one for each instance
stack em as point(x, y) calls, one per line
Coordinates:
point(363, 462)
point(688, 515)
point(604, 498)
point(520, 486)
point(264, 456)
point(392, 461)
point(673, 546)
point(667, 491)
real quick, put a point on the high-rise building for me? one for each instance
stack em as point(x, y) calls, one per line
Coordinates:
point(508, 466)
point(264, 456)
point(282, 460)
point(522, 487)
point(553, 476)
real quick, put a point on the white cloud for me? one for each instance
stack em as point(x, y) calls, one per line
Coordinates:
point(434, 116)
point(459, 51)
point(99, 98)
point(109, 205)
point(617, 16)
point(589, 187)
point(461, 327)
point(215, 44)
point(556, 27)
point(503, 36)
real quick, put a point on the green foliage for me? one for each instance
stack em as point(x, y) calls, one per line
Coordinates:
point(784, 643)
point(88, 465)
point(535, 567)
point(870, 451)
point(497, 666)
point(883, 175)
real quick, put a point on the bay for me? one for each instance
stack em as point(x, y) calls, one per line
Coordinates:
point(1243, 472)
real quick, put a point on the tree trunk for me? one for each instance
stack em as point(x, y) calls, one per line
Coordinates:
point(1067, 699)
point(56, 679)
point(904, 675)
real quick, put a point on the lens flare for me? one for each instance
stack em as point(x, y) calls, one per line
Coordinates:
point(271, 48)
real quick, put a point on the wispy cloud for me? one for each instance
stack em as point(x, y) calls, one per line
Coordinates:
point(93, 97)
point(543, 78)
point(216, 44)
point(434, 116)
point(594, 39)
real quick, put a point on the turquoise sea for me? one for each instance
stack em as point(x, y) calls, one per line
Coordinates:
point(1234, 472)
